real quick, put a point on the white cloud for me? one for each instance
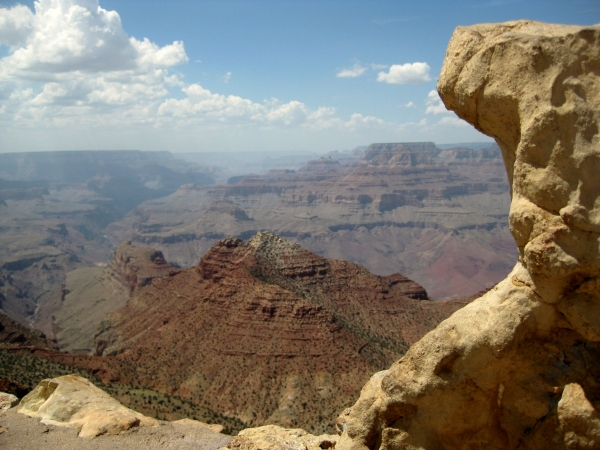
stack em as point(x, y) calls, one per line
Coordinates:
point(69, 36)
point(15, 25)
point(227, 77)
point(434, 104)
point(356, 71)
point(203, 106)
point(409, 73)
point(77, 63)
point(72, 68)
point(408, 105)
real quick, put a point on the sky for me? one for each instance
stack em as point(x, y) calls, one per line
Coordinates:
point(237, 75)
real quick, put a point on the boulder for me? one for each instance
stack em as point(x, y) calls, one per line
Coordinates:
point(73, 401)
point(196, 423)
point(8, 401)
point(273, 437)
point(519, 367)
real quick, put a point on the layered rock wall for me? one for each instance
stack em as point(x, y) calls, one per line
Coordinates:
point(519, 367)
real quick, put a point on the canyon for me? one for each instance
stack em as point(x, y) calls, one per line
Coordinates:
point(516, 368)
point(258, 332)
point(54, 207)
point(438, 216)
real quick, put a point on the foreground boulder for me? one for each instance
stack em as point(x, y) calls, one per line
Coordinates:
point(273, 437)
point(519, 367)
point(73, 401)
point(7, 401)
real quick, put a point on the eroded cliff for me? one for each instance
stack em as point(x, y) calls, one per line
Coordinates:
point(268, 332)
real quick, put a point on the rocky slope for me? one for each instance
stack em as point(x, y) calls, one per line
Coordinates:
point(72, 313)
point(435, 215)
point(267, 332)
point(519, 367)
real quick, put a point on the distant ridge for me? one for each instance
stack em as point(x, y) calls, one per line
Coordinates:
point(473, 145)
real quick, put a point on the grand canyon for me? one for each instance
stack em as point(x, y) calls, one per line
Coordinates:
point(401, 296)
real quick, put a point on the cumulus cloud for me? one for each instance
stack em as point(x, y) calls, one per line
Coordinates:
point(434, 104)
point(15, 25)
point(71, 63)
point(356, 71)
point(409, 105)
point(409, 73)
point(68, 36)
point(204, 106)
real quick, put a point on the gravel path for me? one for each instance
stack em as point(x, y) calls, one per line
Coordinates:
point(18, 431)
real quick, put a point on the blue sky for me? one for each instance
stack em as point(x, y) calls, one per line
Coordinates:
point(237, 75)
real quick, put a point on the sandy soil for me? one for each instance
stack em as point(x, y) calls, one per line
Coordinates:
point(18, 431)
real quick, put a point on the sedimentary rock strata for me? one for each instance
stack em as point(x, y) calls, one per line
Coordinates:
point(268, 332)
point(54, 207)
point(519, 367)
point(72, 315)
point(437, 216)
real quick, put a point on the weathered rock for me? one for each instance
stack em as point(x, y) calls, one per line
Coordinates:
point(8, 401)
point(519, 367)
point(73, 401)
point(579, 420)
point(272, 437)
point(196, 423)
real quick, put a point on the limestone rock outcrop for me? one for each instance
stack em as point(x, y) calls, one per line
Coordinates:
point(519, 368)
point(7, 401)
point(273, 437)
point(73, 401)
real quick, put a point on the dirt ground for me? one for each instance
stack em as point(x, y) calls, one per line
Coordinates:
point(18, 431)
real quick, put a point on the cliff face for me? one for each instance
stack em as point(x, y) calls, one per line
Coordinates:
point(72, 314)
point(54, 207)
point(519, 367)
point(267, 331)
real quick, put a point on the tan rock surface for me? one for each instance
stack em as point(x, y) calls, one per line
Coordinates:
point(8, 401)
point(18, 432)
point(196, 423)
point(273, 437)
point(73, 401)
point(519, 367)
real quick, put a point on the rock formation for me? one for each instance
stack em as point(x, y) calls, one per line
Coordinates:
point(519, 367)
point(436, 216)
point(73, 401)
point(70, 408)
point(72, 315)
point(267, 332)
point(7, 401)
point(272, 437)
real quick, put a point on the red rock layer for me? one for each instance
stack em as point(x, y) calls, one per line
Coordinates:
point(136, 267)
point(268, 332)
